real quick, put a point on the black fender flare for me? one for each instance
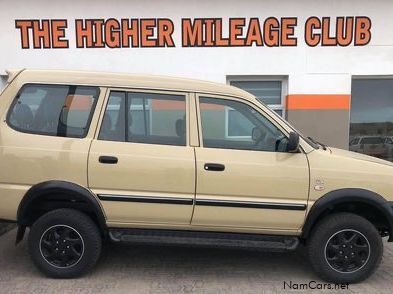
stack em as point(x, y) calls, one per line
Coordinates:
point(349, 195)
point(57, 187)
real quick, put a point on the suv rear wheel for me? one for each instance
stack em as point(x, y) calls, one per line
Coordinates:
point(345, 248)
point(64, 243)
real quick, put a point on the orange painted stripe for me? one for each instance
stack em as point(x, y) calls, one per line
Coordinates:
point(318, 101)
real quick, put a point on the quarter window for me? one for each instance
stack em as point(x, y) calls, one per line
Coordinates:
point(148, 118)
point(249, 129)
point(54, 110)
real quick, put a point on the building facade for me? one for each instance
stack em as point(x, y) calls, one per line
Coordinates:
point(325, 66)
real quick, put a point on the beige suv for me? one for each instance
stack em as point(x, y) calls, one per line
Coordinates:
point(87, 157)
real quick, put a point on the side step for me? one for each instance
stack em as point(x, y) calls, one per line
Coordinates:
point(209, 239)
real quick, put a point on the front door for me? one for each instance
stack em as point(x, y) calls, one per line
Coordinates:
point(140, 164)
point(245, 177)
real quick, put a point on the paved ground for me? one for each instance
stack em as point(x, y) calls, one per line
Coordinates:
point(125, 268)
point(5, 227)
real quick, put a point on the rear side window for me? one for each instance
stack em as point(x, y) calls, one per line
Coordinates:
point(53, 110)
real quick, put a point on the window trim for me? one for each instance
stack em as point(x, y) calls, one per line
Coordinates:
point(227, 110)
point(88, 122)
point(126, 90)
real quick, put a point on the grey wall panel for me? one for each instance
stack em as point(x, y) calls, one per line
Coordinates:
point(327, 126)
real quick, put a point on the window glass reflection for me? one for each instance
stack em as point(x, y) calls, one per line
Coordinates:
point(371, 128)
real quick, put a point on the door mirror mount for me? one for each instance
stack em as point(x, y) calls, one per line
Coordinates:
point(293, 142)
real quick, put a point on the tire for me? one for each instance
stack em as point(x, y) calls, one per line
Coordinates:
point(53, 232)
point(349, 262)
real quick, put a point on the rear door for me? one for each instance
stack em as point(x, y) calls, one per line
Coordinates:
point(245, 177)
point(140, 164)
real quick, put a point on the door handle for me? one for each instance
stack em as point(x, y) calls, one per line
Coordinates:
point(214, 167)
point(108, 159)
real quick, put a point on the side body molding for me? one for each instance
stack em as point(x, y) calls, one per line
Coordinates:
point(348, 196)
point(64, 192)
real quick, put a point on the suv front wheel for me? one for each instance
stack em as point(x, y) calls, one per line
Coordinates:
point(345, 248)
point(64, 243)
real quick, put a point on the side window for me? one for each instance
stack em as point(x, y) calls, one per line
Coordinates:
point(243, 129)
point(113, 123)
point(53, 110)
point(148, 118)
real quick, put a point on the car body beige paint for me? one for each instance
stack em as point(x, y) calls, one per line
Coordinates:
point(175, 171)
point(340, 169)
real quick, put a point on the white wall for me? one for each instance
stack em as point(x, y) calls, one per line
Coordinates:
point(310, 70)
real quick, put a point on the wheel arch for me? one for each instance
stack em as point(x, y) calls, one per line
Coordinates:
point(359, 201)
point(50, 195)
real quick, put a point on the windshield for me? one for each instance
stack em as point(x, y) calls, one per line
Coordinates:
point(312, 143)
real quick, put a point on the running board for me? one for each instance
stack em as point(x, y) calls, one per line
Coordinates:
point(209, 239)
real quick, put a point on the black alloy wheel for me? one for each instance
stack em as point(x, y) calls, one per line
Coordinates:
point(62, 246)
point(344, 248)
point(65, 243)
point(347, 251)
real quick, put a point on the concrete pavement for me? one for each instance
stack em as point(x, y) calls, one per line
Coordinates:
point(126, 268)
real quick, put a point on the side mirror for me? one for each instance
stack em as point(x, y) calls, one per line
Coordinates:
point(293, 142)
